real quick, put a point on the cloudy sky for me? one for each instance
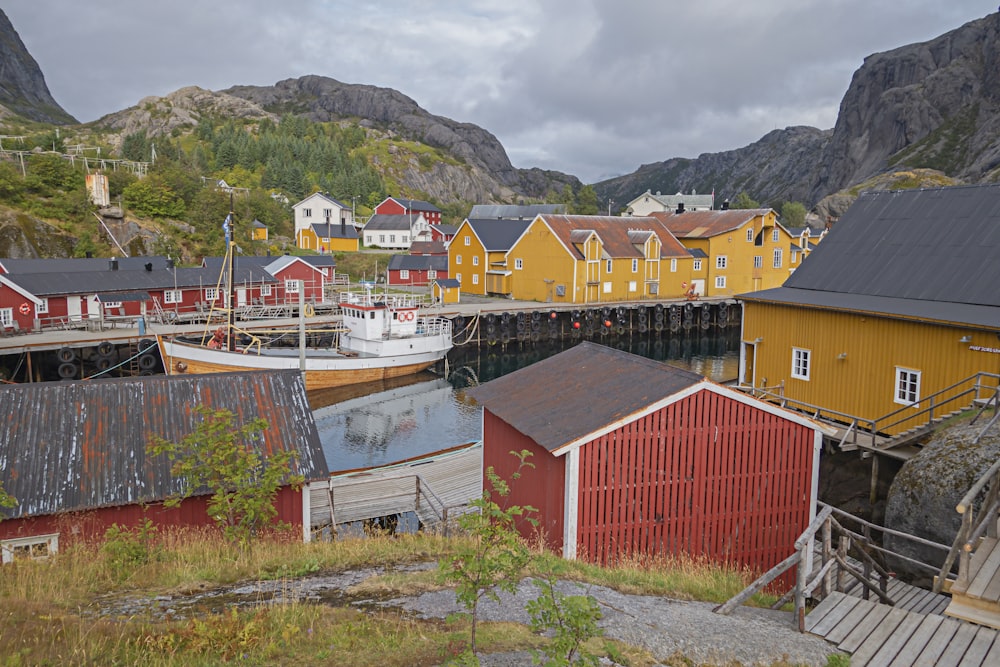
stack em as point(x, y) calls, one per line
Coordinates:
point(593, 88)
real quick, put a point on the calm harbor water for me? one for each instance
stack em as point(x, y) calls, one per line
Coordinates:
point(378, 423)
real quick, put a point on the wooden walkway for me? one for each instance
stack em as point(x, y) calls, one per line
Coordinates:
point(879, 635)
point(905, 596)
point(976, 597)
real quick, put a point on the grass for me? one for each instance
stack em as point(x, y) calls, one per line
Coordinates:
point(48, 609)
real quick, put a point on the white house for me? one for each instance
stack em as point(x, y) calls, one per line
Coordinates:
point(648, 203)
point(319, 208)
point(396, 232)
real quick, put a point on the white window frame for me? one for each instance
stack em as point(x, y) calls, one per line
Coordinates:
point(720, 282)
point(458, 277)
point(607, 287)
point(673, 265)
point(9, 548)
point(291, 286)
point(758, 261)
point(392, 238)
point(607, 267)
point(475, 278)
point(801, 365)
point(906, 390)
point(721, 261)
point(112, 304)
point(475, 260)
point(750, 234)
point(774, 235)
point(405, 238)
point(6, 317)
point(458, 259)
point(468, 240)
point(404, 274)
point(381, 238)
point(432, 274)
point(696, 265)
point(778, 258)
point(327, 213)
point(635, 266)
point(518, 264)
point(43, 307)
point(307, 213)
point(172, 296)
point(265, 290)
point(211, 293)
point(632, 286)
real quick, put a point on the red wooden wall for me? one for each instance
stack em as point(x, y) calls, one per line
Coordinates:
point(706, 476)
point(90, 525)
point(542, 487)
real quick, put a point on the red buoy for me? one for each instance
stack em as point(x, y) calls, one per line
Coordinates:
point(576, 325)
point(607, 323)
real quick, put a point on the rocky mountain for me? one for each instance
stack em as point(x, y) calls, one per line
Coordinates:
point(22, 87)
point(932, 105)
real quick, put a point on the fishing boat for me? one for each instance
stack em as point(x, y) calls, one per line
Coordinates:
point(380, 336)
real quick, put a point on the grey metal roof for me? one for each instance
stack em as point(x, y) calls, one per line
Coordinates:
point(418, 262)
point(92, 282)
point(335, 230)
point(416, 205)
point(389, 222)
point(73, 265)
point(448, 282)
point(498, 235)
point(447, 230)
point(70, 446)
point(698, 253)
point(514, 211)
point(577, 392)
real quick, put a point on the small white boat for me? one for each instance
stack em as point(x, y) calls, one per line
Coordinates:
point(382, 336)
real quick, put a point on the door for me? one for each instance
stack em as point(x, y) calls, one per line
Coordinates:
point(74, 308)
point(748, 370)
point(241, 297)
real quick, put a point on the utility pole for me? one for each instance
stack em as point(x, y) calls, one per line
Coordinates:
point(610, 202)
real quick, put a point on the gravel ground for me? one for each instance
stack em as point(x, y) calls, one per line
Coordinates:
point(663, 626)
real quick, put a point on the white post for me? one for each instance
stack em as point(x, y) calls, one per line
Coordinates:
point(302, 327)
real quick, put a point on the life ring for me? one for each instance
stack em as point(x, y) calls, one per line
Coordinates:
point(406, 316)
point(25, 308)
point(308, 310)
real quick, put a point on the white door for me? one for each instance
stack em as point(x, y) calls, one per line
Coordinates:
point(699, 287)
point(74, 310)
point(241, 297)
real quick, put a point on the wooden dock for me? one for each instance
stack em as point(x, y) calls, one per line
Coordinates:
point(880, 635)
point(976, 597)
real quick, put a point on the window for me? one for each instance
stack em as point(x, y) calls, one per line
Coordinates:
point(758, 261)
point(635, 266)
point(405, 237)
point(720, 262)
point(653, 288)
point(607, 287)
point(327, 213)
point(608, 265)
point(458, 277)
point(392, 238)
point(381, 238)
point(404, 274)
point(173, 296)
point(777, 258)
point(211, 294)
point(307, 213)
point(795, 256)
point(431, 274)
point(475, 260)
point(292, 286)
point(468, 240)
point(6, 317)
point(673, 265)
point(518, 264)
point(631, 286)
point(750, 234)
point(36, 546)
point(696, 265)
point(800, 363)
point(43, 307)
point(907, 387)
point(774, 235)
point(458, 259)
point(112, 304)
point(475, 278)
point(720, 282)
point(265, 290)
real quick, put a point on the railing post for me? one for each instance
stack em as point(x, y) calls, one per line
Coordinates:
point(963, 553)
point(842, 548)
point(417, 499)
point(827, 549)
point(801, 576)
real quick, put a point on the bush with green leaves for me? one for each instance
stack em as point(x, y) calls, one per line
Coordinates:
point(6, 500)
point(572, 620)
point(129, 548)
point(495, 557)
point(227, 461)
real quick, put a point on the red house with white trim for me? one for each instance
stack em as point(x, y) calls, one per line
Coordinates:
point(631, 456)
point(73, 491)
point(413, 207)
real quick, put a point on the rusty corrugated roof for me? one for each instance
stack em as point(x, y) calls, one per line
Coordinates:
point(577, 392)
point(615, 232)
point(81, 445)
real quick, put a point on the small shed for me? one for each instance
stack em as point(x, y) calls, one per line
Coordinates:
point(446, 290)
point(74, 454)
point(634, 456)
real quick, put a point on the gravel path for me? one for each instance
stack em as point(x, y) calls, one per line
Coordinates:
point(663, 626)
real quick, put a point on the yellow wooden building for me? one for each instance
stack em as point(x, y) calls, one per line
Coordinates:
point(329, 238)
point(477, 254)
point(259, 230)
point(897, 305)
point(588, 259)
point(742, 250)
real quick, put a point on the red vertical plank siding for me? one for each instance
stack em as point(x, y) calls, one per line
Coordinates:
point(706, 475)
point(541, 486)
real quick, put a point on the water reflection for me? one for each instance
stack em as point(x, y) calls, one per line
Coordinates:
point(381, 422)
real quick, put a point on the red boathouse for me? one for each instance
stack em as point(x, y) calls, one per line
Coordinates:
point(634, 456)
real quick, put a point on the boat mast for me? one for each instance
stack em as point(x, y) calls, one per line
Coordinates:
point(230, 265)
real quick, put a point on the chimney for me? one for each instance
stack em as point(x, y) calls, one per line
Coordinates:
point(89, 254)
point(148, 266)
point(113, 263)
point(725, 204)
point(170, 262)
point(680, 207)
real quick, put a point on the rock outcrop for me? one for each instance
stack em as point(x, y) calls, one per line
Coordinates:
point(22, 87)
